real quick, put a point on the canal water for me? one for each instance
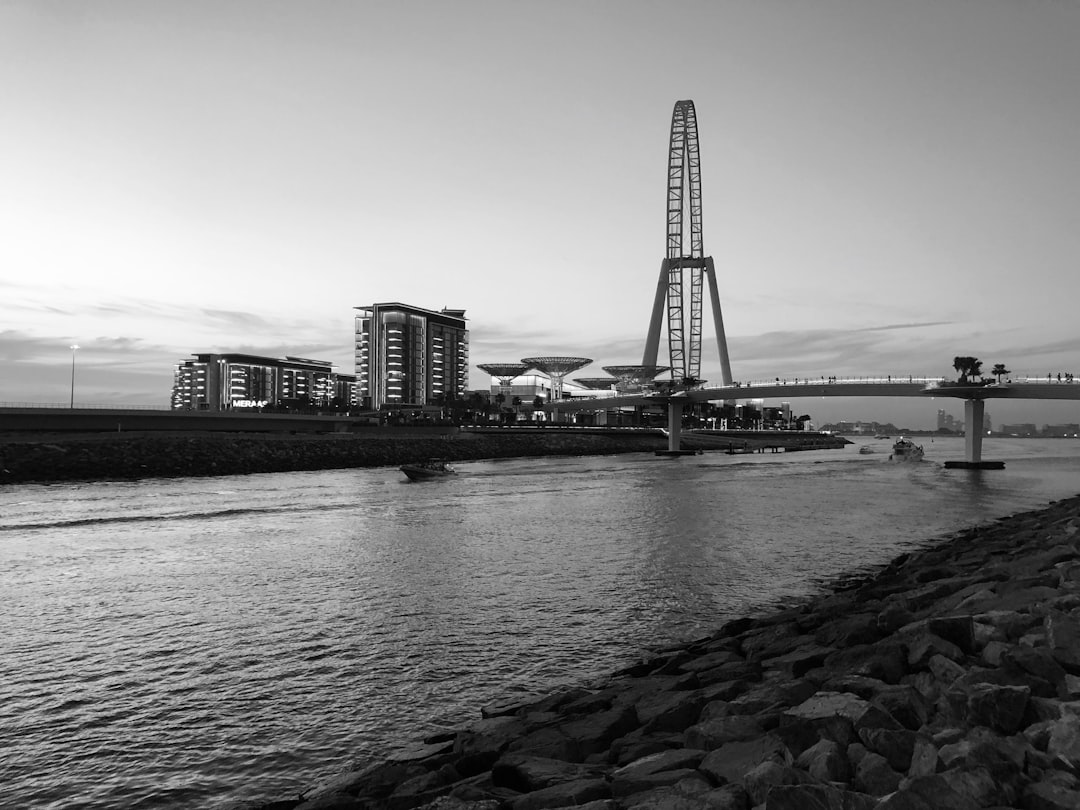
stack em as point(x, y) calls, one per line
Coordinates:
point(200, 641)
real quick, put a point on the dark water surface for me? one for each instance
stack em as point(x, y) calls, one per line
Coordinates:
point(183, 642)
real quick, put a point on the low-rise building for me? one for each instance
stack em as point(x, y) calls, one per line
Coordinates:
point(221, 382)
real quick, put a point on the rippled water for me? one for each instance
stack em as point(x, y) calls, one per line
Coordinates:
point(171, 643)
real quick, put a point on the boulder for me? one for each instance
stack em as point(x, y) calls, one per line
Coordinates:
point(927, 793)
point(732, 761)
point(762, 778)
point(817, 797)
point(713, 733)
point(826, 761)
point(873, 775)
point(1063, 638)
point(896, 745)
point(526, 773)
point(986, 704)
point(566, 794)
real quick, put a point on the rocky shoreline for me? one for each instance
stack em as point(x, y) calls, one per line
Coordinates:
point(947, 680)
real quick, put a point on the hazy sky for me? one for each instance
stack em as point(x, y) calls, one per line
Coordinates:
point(886, 185)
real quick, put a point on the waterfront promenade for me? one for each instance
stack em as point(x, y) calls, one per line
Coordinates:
point(949, 678)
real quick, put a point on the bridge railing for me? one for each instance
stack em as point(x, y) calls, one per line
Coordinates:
point(84, 406)
point(820, 380)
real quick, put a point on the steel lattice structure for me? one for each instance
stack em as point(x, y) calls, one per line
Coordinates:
point(679, 291)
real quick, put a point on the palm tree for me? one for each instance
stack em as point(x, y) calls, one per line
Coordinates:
point(1000, 371)
point(968, 367)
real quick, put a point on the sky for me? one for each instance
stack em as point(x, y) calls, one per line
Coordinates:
point(886, 184)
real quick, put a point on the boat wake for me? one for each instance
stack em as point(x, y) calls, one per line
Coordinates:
point(171, 516)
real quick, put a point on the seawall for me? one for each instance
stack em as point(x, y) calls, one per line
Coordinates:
point(948, 679)
point(112, 456)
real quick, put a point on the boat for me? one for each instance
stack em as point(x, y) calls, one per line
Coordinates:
point(882, 436)
point(905, 450)
point(426, 470)
point(865, 450)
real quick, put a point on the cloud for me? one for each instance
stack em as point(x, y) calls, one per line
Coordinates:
point(239, 320)
point(894, 326)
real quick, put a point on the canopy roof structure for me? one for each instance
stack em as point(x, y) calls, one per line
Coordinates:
point(596, 383)
point(503, 371)
point(556, 368)
point(635, 375)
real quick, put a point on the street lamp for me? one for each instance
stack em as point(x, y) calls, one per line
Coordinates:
point(74, 346)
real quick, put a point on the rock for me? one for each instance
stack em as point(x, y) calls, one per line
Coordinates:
point(817, 797)
point(526, 773)
point(669, 711)
point(1063, 638)
point(833, 715)
point(886, 661)
point(674, 759)
point(1064, 739)
point(874, 776)
point(826, 761)
point(1049, 796)
point(566, 794)
point(896, 745)
point(594, 733)
point(926, 646)
point(732, 761)
point(759, 780)
point(957, 630)
point(714, 733)
point(927, 793)
point(799, 661)
point(924, 758)
point(985, 704)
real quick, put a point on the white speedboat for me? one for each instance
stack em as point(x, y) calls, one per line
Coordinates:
point(906, 450)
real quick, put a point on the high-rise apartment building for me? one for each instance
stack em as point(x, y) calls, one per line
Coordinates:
point(409, 357)
point(221, 382)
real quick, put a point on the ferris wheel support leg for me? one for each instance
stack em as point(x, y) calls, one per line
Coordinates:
point(652, 340)
point(718, 322)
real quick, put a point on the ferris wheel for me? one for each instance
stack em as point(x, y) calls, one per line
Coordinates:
point(680, 289)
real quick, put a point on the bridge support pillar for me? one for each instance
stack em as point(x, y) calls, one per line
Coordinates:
point(973, 430)
point(674, 425)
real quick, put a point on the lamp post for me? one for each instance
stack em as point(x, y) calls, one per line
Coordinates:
point(74, 346)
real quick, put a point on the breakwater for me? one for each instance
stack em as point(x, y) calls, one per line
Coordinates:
point(110, 456)
point(949, 678)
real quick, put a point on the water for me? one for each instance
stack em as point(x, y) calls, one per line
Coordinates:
point(173, 643)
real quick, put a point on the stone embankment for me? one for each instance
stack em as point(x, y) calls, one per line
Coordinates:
point(948, 680)
point(125, 456)
point(111, 456)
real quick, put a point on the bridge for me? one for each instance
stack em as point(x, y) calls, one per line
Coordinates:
point(973, 394)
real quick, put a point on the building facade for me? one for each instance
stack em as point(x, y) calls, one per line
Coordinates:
point(222, 382)
point(408, 357)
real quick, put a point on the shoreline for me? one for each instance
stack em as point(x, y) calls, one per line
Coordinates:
point(126, 456)
point(947, 678)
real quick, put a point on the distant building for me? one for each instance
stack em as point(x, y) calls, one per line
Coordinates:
point(1026, 429)
point(222, 382)
point(1061, 431)
point(408, 357)
point(946, 421)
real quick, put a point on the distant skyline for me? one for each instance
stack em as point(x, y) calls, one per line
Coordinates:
point(885, 185)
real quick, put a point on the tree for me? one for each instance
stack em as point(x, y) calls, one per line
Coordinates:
point(968, 367)
point(1000, 371)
